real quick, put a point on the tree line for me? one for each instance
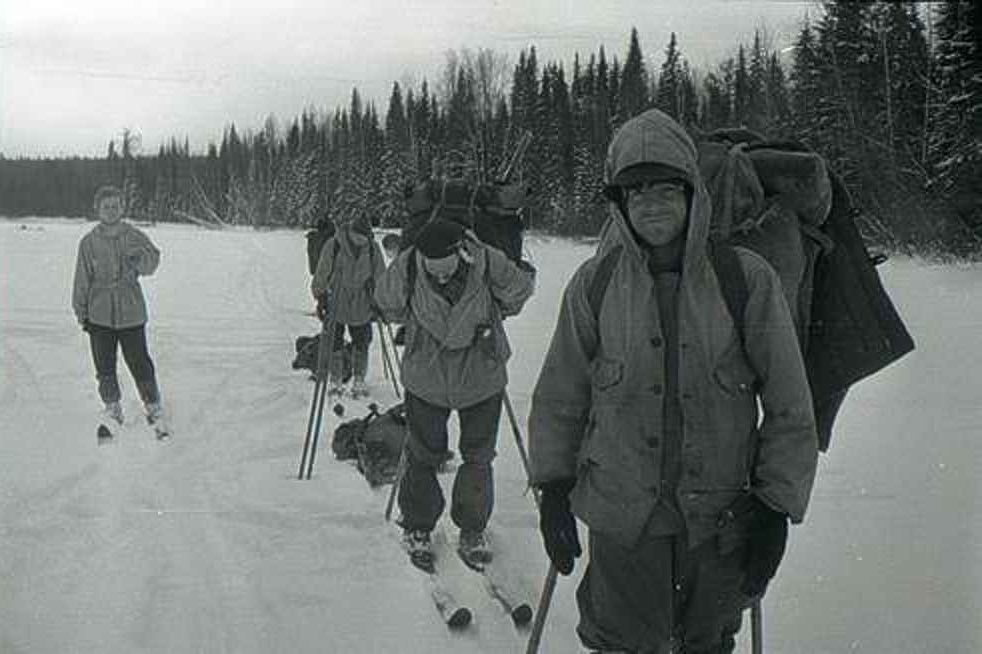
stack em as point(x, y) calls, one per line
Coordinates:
point(889, 93)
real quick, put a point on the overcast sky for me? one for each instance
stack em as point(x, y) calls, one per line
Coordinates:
point(74, 73)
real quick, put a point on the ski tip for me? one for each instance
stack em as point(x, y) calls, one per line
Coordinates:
point(103, 435)
point(459, 618)
point(521, 615)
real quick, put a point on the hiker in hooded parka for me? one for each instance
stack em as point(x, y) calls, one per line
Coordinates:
point(452, 292)
point(644, 422)
point(316, 237)
point(350, 265)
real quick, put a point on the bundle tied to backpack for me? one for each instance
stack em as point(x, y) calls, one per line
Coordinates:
point(492, 211)
point(375, 442)
point(308, 352)
point(780, 200)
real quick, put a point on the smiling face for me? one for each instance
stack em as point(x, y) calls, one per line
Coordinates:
point(110, 209)
point(658, 211)
point(443, 268)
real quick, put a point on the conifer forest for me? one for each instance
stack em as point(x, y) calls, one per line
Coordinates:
point(889, 92)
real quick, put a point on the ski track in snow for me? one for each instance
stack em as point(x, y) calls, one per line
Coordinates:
point(208, 543)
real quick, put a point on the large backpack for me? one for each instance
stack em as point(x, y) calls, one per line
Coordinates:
point(493, 211)
point(781, 201)
point(308, 352)
point(375, 442)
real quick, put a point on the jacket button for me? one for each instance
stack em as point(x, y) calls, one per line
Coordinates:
point(656, 341)
point(656, 389)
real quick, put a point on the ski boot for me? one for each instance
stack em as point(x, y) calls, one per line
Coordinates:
point(110, 420)
point(420, 549)
point(473, 549)
point(155, 418)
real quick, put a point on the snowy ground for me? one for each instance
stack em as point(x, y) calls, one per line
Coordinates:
point(209, 544)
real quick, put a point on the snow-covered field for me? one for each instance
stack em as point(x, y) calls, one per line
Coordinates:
point(208, 543)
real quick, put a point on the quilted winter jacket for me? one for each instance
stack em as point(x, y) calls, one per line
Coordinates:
point(596, 412)
point(351, 276)
point(446, 362)
point(106, 290)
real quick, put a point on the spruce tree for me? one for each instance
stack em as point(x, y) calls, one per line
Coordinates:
point(670, 81)
point(633, 92)
point(956, 140)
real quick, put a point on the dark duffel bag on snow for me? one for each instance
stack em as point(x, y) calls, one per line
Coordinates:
point(307, 348)
point(380, 446)
point(376, 442)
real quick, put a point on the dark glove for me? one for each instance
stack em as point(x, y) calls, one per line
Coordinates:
point(400, 337)
point(374, 313)
point(525, 266)
point(557, 524)
point(767, 537)
point(322, 307)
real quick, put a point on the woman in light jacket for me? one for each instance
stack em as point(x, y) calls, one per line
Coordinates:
point(109, 305)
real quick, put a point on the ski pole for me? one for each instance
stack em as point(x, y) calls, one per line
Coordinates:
point(387, 362)
point(757, 627)
point(403, 457)
point(549, 586)
point(535, 637)
point(318, 389)
point(325, 351)
point(522, 452)
point(317, 433)
point(395, 350)
point(400, 473)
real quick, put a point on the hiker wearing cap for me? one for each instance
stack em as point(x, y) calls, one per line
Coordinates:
point(451, 291)
point(349, 267)
point(109, 305)
point(644, 421)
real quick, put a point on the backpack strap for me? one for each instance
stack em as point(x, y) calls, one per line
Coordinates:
point(601, 279)
point(411, 275)
point(726, 264)
point(732, 282)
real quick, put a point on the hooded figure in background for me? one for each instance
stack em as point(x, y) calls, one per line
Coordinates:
point(317, 236)
point(644, 422)
point(349, 266)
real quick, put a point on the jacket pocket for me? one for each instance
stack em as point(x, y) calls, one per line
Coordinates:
point(606, 373)
point(602, 471)
point(734, 374)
